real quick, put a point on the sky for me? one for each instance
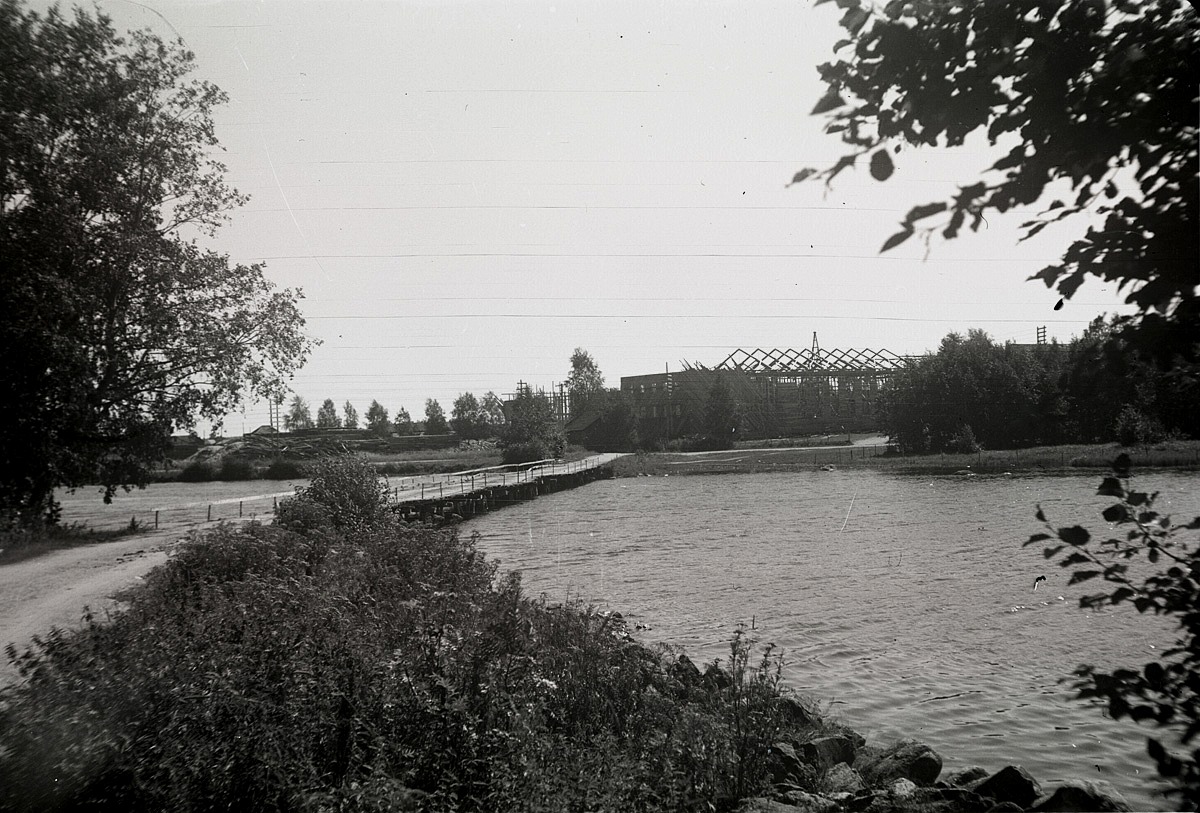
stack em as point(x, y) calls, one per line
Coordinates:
point(466, 191)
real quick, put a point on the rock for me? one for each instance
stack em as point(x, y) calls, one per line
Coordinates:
point(841, 778)
point(1005, 807)
point(1009, 784)
point(849, 733)
point(716, 679)
point(810, 802)
point(1083, 794)
point(960, 800)
point(825, 751)
point(965, 776)
point(683, 670)
point(764, 805)
point(905, 760)
point(860, 801)
point(795, 713)
point(783, 765)
point(901, 789)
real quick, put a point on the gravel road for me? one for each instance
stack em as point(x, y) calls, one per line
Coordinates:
point(52, 590)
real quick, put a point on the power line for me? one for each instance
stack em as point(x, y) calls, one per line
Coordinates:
point(660, 316)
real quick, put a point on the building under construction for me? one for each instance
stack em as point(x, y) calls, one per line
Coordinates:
point(780, 393)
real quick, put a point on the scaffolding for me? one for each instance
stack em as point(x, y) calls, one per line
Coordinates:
point(780, 391)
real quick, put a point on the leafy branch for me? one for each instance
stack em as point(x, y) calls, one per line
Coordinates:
point(1166, 692)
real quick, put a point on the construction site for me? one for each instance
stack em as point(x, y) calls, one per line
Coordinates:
point(779, 392)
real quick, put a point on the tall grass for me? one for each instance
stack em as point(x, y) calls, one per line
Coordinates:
point(332, 664)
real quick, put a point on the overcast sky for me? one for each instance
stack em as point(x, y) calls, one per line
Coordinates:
point(467, 191)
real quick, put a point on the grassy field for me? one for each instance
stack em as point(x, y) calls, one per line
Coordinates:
point(1183, 454)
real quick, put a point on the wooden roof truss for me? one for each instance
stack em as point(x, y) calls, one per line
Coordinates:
point(790, 362)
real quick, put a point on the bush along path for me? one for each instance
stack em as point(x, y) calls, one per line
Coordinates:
point(341, 660)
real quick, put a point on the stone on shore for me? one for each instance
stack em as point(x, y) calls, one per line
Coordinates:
point(1009, 784)
point(1083, 795)
point(965, 776)
point(826, 751)
point(806, 803)
point(841, 778)
point(783, 765)
point(795, 712)
point(907, 759)
point(902, 789)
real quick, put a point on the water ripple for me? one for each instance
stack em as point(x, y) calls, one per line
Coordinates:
point(919, 619)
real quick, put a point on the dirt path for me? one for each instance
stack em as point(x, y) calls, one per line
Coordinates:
point(52, 590)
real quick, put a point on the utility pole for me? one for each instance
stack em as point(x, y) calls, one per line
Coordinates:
point(273, 413)
point(670, 406)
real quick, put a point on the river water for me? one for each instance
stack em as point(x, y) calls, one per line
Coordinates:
point(903, 604)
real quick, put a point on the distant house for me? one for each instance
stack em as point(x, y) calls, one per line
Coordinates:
point(578, 428)
point(265, 429)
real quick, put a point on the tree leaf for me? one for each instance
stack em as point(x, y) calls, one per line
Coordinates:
point(1111, 487)
point(854, 19)
point(881, 166)
point(1082, 576)
point(1075, 535)
point(1116, 513)
point(919, 212)
point(895, 240)
point(803, 175)
point(832, 100)
point(1122, 465)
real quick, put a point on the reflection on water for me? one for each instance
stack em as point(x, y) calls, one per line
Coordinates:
point(904, 603)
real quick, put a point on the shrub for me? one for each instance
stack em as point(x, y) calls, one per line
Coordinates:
point(1135, 428)
point(281, 469)
point(371, 666)
point(530, 450)
point(346, 490)
point(236, 468)
point(532, 433)
point(963, 441)
point(197, 472)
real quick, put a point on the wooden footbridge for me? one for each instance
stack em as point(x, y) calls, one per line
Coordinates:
point(454, 497)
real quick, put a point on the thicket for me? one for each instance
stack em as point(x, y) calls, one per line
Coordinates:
point(532, 433)
point(341, 660)
point(974, 393)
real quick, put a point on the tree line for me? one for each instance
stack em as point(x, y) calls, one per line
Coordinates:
point(471, 418)
point(974, 393)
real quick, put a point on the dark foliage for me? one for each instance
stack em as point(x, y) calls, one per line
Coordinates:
point(1166, 692)
point(197, 472)
point(975, 393)
point(117, 329)
point(532, 433)
point(615, 428)
point(1076, 91)
point(722, 416)
point(368, 665)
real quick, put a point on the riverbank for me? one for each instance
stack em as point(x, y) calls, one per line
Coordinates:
point(1180, 455)
point(319, 664)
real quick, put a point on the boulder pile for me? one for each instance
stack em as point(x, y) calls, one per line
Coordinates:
point(840, 772)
